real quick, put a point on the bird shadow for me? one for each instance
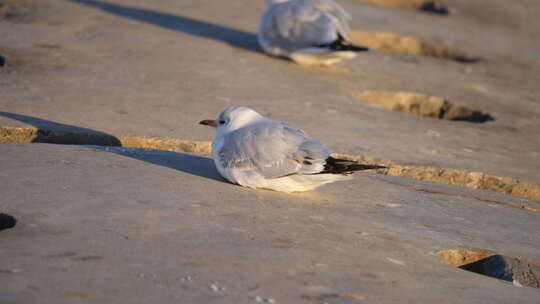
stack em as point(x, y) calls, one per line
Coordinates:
point(237, 38)
point(185, 162)
point(56, 133)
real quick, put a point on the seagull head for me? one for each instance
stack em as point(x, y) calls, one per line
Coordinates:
point(232, 119)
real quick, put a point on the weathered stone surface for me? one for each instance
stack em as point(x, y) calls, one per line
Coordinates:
point(117, 225)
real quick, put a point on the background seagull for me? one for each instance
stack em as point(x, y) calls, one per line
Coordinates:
point(257, 152)
point(309, 32)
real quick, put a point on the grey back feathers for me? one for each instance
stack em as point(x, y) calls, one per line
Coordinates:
point(274, 150)
point(299, 24)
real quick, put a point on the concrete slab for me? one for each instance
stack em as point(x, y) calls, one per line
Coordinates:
point(117, 225)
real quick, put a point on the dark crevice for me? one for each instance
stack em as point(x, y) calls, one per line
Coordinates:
point(518, 270)
point(466, 59)
point(476, 117)
point(434, 8)
point(508, 269)
point(57, 133)
point(424, 105)
point(7, 221)
point(445, 107)
point(70, 138)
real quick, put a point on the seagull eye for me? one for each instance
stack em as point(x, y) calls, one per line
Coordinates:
point(222, 122)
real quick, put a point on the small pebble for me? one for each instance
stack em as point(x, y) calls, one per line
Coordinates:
point(433, 133)
point(260, 299)
point(398, 262)
point(389, 205)
point(215, 287)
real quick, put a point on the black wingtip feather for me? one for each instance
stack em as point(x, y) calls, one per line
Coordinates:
point(343, 166)
point(340, 44)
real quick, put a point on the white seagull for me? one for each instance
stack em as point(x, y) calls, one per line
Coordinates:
point(257, 152)
point(309, 32)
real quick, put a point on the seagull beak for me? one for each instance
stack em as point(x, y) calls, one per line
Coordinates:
point(209, 122)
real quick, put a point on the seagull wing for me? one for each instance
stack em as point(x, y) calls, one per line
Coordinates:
point(307, 23)
point(339, 15)
point(273, 149)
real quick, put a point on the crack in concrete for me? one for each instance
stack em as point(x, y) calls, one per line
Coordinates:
point(474, 180)
point(403, 44)
point(429, 6)
point(423, 105)
point(508, 268)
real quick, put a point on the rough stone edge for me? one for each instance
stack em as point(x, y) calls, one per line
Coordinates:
point(409, 45)
point(434, 6)
point(474, 180)
point(469, 179)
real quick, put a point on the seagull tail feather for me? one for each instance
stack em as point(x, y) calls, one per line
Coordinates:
point(341, 44)
point(343, 166)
